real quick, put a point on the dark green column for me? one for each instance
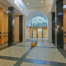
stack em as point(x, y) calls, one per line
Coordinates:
point(59, 24)
point(42, 31)
point(53, 27)
point(37, 33)
point(32, 29)
point(21, 28)
point(10, 26)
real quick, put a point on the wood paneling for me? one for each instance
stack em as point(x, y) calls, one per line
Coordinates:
point(16, 28)
point(5, 36)
point(30, 32)
point(64, 25)
point(39, 32)
point(45, 32)
point(34, 32)
point(1, 25)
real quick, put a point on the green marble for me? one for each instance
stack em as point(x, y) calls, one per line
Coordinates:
point(10, 26)
point(21, 28)
point(53, 27)
point(59, 22)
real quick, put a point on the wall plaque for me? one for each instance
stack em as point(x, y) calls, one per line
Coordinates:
point(0, 32)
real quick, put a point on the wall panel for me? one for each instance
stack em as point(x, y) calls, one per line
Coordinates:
point(64, 18)
point(16, 29)
point(5, 36)
point(1, 25)
point(39, 32)
point(45, 32)
point(34, 32)
point(30, 32)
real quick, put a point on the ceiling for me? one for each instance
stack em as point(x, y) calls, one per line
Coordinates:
point(27, 9)
point(5, 4)
point(36, 3)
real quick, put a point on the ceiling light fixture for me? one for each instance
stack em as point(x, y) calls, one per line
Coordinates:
point(64, 6)
point(41, 1)
point(8, 11)
point(27, 3)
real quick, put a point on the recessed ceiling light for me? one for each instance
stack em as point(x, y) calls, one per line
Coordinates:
point(8, 11)
point(27, 3)
point(41, 1)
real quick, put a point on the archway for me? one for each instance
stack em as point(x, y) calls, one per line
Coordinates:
point(29, 20)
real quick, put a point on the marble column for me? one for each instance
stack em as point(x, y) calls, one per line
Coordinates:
point(10, 26)
point(42, 31)
point(53, 27)
point(21, 28)
point(59, 24)
point(32, 29)
point(37, 33)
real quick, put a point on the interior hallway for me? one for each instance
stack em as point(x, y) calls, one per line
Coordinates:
point(44, 54)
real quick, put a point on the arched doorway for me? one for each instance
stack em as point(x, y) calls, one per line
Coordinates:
point(38, 21)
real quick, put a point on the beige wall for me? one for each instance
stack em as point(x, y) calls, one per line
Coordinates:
point(49, 27)
point(24, 28)
point(16, 28)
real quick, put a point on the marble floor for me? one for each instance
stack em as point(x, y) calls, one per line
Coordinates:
point(43, 54)
point(5, 45)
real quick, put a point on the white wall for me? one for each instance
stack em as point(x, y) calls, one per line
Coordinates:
point(24, 28)
point(27, 33)
point(46, 11)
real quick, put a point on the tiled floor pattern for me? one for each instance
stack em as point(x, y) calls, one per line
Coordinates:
point(14, 51)
point(47, 54)
point(7, 62)
point(44, 54)
point(32, 64)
